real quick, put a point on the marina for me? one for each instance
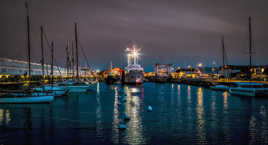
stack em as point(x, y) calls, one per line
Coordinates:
point(113, 73)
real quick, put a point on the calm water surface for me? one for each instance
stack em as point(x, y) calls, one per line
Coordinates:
point(182, 114)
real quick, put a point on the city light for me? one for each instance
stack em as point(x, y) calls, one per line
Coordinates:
point(200, 65)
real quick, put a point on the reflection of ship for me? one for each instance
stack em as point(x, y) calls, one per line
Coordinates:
point(113, 75)
point(133, 72)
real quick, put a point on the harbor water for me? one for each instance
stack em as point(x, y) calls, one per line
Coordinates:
point(181, 114)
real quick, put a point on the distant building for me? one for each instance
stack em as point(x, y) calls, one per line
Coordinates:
point(242, 71)
point(163, 69)
point(18, 67)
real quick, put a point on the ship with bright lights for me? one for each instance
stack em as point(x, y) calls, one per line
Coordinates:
point(133, 71)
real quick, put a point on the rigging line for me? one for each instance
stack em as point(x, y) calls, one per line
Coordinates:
point(45, 53)
point(84, 54)
point(49, 46)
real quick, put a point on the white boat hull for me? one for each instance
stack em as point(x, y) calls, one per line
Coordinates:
point(29, 99)
point(55, 91)
point(249, 92)
point(242, 93)
point(248, 89)
point(76, 89)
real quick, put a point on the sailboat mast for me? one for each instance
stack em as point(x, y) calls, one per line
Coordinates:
point(250, 42)
point(76, 47)
point(42, 51)
point(52, 62)
point(72, 59)
point(28, 38)
point(223, 52)
point(67, 59)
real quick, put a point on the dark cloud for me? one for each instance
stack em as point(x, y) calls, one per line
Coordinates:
point(169, 31)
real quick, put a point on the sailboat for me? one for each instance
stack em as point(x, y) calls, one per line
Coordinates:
point(27, 95)
point(75, 85)
point(249, 88)
point(51, 89)
point(222, 86)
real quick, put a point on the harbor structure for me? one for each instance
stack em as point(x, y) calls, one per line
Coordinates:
point(20, 67)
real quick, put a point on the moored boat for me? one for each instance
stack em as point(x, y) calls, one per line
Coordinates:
point(25, 97)
point(53, 90)
point(74, 86)
point(248, 89)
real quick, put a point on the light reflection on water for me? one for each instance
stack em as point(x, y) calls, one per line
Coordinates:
point(134, 126)
point(201, 133)
point(182, 114)
point(115, 118)
point(225, 100)
point(99, 126)
point(4, 116)
point(189, 94)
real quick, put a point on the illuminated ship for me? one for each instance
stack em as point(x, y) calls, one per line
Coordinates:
point(133, 71)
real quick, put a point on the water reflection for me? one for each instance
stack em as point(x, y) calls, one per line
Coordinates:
point(99, 126)
point(258, 127)
point(213, 105)
point(133, 108)
point(264, 124)
point(182, 115)
point(189, 94)
point(98, 88)
point(4, 117)
point(225, 100)
point(252, 130)
point(179, 90)
point(115, 136)
point(201, 132)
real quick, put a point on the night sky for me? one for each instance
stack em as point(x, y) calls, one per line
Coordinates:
point(181, 32)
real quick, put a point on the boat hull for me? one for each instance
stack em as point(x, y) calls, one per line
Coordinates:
point(112, 80)
point(134, 77)
point(251, 92)
point(241, 93)
point(26, 100)
point(55, 91)
point(76, 89)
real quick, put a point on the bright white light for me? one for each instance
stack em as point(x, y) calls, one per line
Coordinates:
point(134, 90)
point(135, 54)
point(189, 66)
point(200, 65)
